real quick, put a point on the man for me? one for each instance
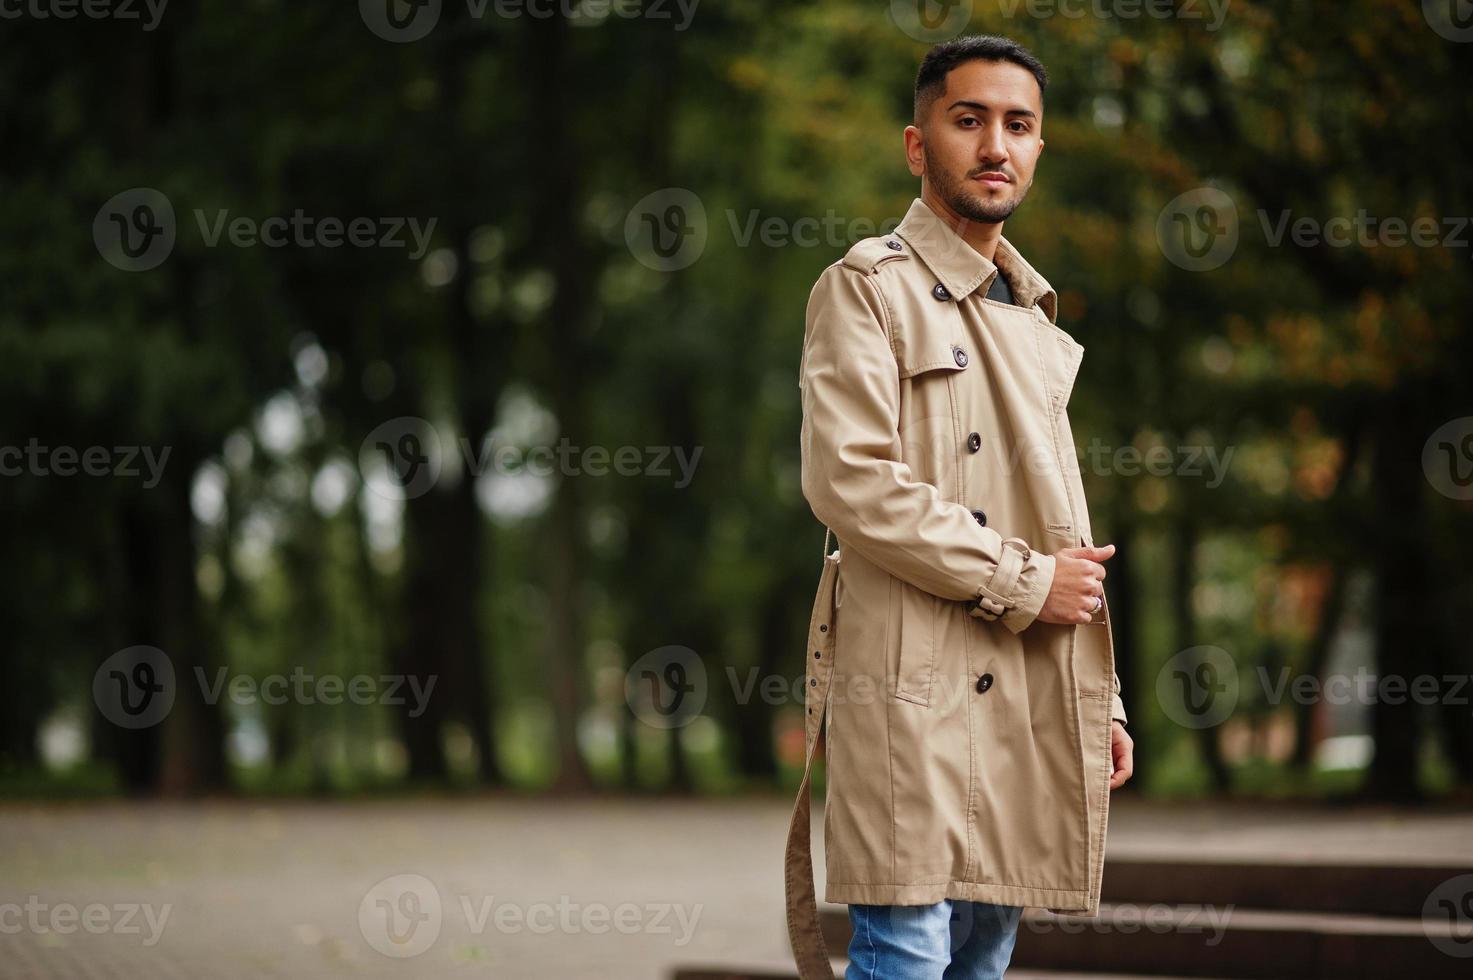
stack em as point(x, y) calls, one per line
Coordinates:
point(960, 646)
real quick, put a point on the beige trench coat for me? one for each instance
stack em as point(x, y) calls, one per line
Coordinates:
point(968, 743)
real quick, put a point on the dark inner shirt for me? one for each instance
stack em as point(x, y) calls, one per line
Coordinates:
point(1000, 290)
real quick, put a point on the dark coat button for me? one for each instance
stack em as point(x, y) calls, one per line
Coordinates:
point(981, 517)
point(983, 683)
point(974, 441)
point(893, 244)
point(961, 357)
point(939, 291)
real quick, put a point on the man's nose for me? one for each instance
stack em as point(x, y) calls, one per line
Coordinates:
point(992, 149)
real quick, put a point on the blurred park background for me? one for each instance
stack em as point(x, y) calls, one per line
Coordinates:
point(263, 456)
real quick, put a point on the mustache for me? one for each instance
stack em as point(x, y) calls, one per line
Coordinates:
point(979, 171)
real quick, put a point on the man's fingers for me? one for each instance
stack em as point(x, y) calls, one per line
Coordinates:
point(1122, 748)
point(1099, 554)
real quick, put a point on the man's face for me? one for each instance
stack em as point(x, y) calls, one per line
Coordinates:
point(978, 145)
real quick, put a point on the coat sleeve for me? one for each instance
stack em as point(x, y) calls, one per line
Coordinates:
point(1117, 706)
point(856, 482)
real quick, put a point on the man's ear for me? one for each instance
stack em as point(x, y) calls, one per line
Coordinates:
point(915, 142)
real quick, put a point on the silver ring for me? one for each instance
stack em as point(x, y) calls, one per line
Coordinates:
point(1099, 603)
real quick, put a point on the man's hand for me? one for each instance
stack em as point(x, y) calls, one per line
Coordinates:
point(1122, 750)
point(1078, 578)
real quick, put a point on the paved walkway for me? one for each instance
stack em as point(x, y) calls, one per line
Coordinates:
point(527, 888)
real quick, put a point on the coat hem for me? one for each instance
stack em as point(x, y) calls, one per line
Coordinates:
point(1023, 896)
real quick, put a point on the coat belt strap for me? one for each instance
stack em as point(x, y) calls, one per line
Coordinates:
point(810, 952)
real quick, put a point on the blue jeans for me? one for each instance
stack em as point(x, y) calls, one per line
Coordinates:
point(951, 940)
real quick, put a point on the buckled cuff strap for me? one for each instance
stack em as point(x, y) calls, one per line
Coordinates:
point(996, 597)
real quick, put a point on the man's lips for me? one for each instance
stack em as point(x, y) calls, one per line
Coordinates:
point(992, 178)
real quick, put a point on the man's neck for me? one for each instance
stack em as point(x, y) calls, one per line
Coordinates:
point(981, 235)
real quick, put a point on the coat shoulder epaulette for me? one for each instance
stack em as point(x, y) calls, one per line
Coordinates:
point(867, 254)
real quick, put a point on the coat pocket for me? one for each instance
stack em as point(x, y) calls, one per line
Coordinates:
point(1094, 658)
point(915, 662)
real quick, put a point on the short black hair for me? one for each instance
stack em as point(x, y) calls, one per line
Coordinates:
point(940, 60)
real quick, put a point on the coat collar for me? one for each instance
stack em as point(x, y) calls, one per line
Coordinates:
point(961, 269)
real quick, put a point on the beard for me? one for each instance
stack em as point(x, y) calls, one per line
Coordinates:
point(968, 203)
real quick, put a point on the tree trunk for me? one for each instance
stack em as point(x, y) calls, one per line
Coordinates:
point(1184, 580)
point(1403, 630)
